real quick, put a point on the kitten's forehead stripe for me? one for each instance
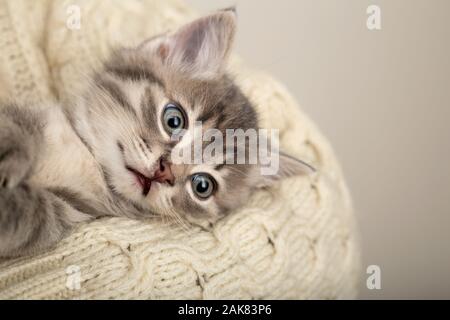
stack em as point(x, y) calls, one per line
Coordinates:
point(134, 74)
point(128, 64)
point(224, 105)
point(116, 92)
point(219, 166)
point(149, 109)
point(209, 113)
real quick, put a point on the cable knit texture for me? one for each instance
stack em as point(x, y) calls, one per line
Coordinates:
point(296, 240)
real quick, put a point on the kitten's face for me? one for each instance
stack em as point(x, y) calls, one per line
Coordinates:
point(145, 96)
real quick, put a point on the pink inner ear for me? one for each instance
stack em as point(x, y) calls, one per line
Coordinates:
point(163, 51)
point(199, 48)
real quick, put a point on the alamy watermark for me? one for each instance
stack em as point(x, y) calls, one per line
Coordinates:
point(373, 281)
point(73, 21)
point(235, 146)
point(373, 21)
point(73, 280)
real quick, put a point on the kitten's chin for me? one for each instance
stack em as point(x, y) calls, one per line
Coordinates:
point(128, 187)
point(142, 181)
point(140, 194)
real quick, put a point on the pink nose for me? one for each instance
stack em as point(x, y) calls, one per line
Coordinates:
point(164, 174)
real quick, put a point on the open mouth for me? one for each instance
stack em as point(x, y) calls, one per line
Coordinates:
point(144, 181)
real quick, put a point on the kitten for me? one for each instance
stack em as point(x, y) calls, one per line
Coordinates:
point(109, 153)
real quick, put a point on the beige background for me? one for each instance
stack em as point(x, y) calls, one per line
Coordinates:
point(383, 99)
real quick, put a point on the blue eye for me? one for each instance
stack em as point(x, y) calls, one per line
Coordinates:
point(173, 118)
point(203, 185)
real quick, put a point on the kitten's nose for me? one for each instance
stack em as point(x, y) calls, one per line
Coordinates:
point(164, 174)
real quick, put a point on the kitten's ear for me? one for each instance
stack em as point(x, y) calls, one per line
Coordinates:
point(288, 167)
point(200, 49)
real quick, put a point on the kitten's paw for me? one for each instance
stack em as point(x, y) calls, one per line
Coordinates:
point(14, 164)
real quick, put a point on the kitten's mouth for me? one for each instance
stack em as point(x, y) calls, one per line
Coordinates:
point(144, 181)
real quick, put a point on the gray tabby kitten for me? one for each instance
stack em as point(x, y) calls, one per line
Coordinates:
point(109, 155)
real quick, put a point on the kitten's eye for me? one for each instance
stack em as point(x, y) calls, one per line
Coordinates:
point(173, 118)
point(203, 185)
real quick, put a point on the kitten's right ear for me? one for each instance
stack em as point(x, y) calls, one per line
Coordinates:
point(199, 49)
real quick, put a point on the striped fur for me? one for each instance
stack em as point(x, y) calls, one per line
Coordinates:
point(62, 166)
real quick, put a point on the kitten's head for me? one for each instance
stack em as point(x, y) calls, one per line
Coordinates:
point(146, 96)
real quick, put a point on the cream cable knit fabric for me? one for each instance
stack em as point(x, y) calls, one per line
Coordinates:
point(294, 241)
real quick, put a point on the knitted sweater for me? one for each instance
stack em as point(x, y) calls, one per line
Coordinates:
point(295, 240)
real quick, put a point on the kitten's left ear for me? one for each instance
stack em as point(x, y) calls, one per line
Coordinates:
point(288, 167)
point(199, 49)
